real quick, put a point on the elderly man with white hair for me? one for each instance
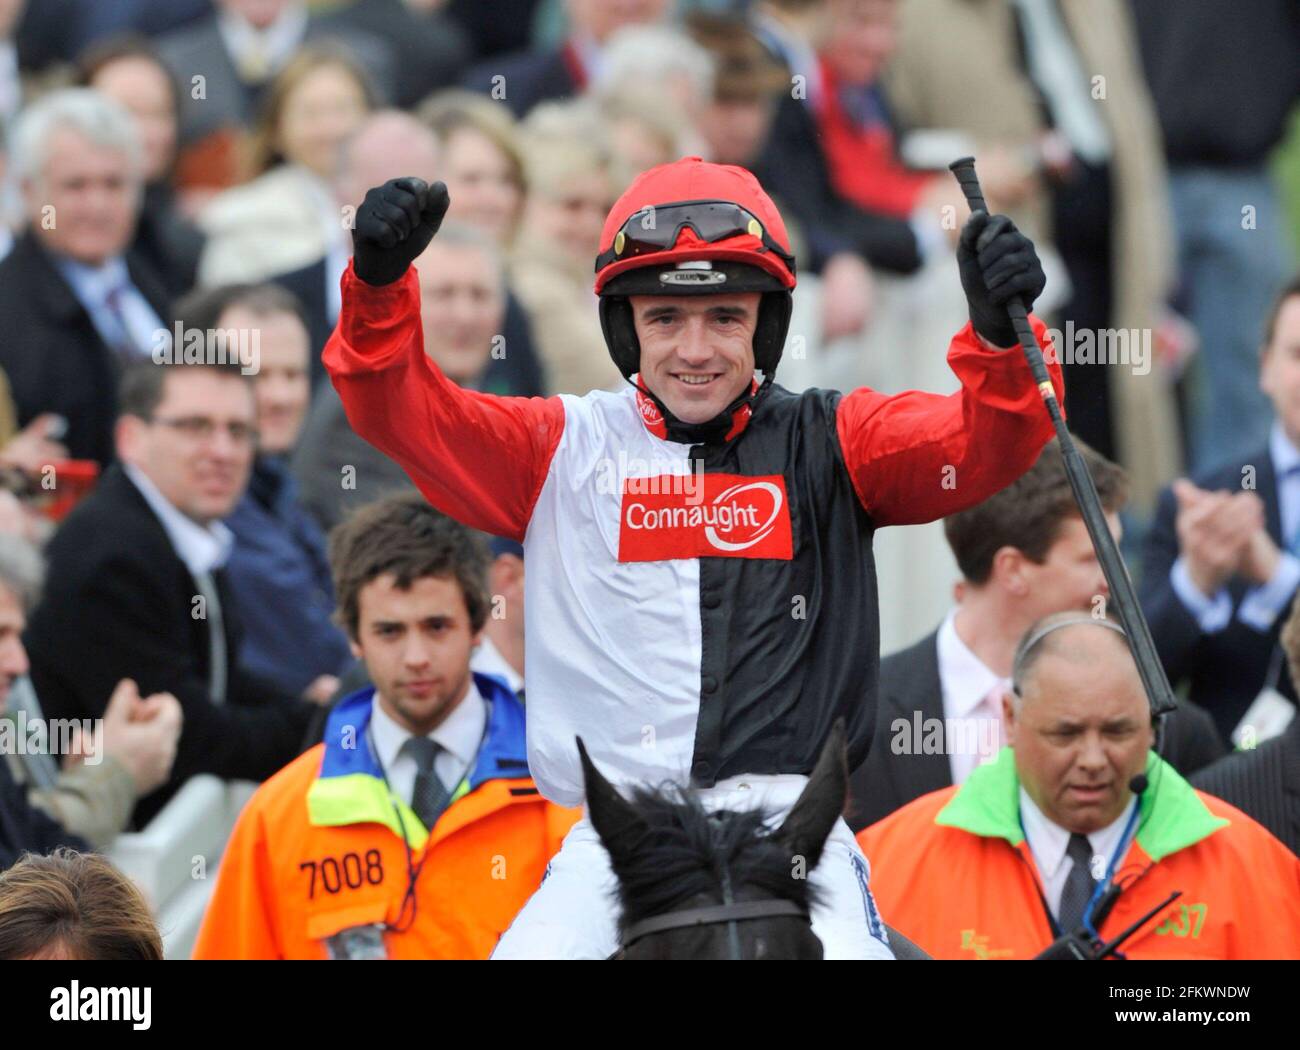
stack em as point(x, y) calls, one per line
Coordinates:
point(74, 308)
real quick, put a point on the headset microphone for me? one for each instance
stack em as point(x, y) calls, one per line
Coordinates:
point(1138, 784)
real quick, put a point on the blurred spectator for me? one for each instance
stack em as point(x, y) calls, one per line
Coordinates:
point(76, 305)
point(287, 216)
point(1225, 80)
point(1221, 565)
point(278, 571)
point(481, 162)
point(734, 122)
point(671, 77)
point(430, 49)
point(484, 171)
point(524, 79)
point(225, 63)
point(501, 648)
point(748, 84)
point(1024, 554)
point(424, 775)
point(1264, 781)
point(23, 826)
point(137, 584)
point(130, 71)
point(645, 131)
point(74, 906)
point(794, 165)
point(1051, 92)
point(385, 145)
point(1018, 851)
point(462, 301)
point(857, 125)
point(130, 753)
point(570, 190)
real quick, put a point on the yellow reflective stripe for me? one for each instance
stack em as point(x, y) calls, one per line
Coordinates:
point(359, 798)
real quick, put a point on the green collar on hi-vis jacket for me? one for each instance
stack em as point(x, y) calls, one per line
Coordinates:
point(351, 789)
point(1171, 817)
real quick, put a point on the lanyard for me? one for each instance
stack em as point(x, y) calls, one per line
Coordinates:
point(1120, 848)
point(412, 869)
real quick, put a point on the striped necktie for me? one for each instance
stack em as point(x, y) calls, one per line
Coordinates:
point(430, 796)
point(1079, 884)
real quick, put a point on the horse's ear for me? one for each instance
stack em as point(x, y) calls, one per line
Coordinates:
point(617, 823)
point(821, 802)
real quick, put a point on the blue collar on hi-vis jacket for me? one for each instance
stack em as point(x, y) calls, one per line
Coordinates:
point(350, 788)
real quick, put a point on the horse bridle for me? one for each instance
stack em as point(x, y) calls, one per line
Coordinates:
point(732, 913)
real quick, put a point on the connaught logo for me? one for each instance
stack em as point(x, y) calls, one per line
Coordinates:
point(738, 517)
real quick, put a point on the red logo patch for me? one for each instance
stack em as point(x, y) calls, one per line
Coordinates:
point(668, 516)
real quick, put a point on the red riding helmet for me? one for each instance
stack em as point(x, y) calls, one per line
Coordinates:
point(694, 228)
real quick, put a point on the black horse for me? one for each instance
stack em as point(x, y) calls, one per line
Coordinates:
point(701, 885)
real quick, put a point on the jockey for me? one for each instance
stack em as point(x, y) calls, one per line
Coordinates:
point(701, 603)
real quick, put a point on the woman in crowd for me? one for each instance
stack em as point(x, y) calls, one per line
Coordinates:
point(286, 216)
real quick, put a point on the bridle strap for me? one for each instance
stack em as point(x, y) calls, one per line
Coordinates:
point(712, 915)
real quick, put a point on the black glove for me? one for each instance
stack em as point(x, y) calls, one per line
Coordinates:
point(997, 262)
point(394, 224)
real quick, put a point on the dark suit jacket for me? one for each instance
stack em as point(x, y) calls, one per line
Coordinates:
point(167, 241)
point(119, 604)
point(519, 373)
point(1264, 783)
point(529, 78)
point(1224, 671)
point(308, 287)
point(51, 351)
point(23, 827)
point(909, 682)
point(793, 168)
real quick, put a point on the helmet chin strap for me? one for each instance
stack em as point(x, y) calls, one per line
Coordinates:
point(713, 431)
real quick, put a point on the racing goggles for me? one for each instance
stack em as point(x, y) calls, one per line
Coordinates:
point(655, 228)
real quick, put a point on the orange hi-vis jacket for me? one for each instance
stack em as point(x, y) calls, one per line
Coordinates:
point(319, 850)
point(952, 871)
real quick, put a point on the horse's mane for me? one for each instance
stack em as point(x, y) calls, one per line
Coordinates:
point(689, 849)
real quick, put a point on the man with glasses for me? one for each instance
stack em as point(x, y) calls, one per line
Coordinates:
point(137, 581)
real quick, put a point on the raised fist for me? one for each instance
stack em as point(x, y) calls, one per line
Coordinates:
point(394, 224)
point(997, 262)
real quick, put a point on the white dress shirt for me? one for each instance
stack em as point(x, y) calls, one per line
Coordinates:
point(1048, 842)
point(203, 548)
point(966, 682)
point(487, 659)
point(1261, 605)
point(11, 85)
point(337, 257)
point(272, 47)
point(459, 736)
